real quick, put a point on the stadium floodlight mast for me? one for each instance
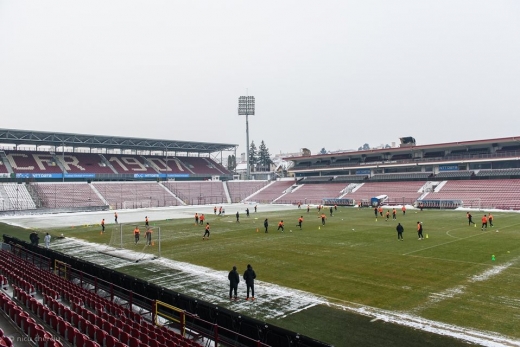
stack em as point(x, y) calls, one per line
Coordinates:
point(246, 107)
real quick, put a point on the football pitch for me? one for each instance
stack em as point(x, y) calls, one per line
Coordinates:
point(348, 282)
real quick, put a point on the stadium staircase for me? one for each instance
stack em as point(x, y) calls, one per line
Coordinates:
point(101, 197)
point(147, 163)
point(287, 191)
point(107, 163)
point(258, 191)
point(6, 162)
point(226, 191)
point(5, 202)
point(182, 166)
point(38, 201)
point(172, 194)
point(210, 164)
point(352, 187)
point(58, 162)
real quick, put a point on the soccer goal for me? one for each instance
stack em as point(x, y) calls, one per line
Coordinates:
point(473, 203)
point(149, 241)
point(137, 204)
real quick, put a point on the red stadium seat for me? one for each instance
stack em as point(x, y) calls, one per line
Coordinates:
point(8, 341)
point(72, 332)
point(100, 336)
point(80, 340)
point(124, 337)
point(110, 341)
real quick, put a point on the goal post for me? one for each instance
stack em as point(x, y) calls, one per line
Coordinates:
point(148, 242)
point(473, 203)
point(137, 204)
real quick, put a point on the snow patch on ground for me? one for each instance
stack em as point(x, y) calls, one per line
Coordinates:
point(273, 301)
point(473, 336)
point(495, 270)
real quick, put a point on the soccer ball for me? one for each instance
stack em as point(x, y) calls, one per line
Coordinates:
point(353, 229)
point(290, 231)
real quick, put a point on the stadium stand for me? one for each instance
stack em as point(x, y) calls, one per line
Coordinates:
point(202, 165)
point(271, 192)
point(505, 149)
point(3, 168)
point(492, 193)
point(84, 163)
point(75, 313)
point(350, 178)
point(454, 174)
point(33, 162)
point(15, 196)
point(198, 192)
point(135, 194)
point(67, 195)
point(498, 173)
point(313, 193)
point(401, 176)
point(316, 179)
point(239, 190)
point(437, 155)
point(167, 165)
point(397, 192)
point(402, 156)
point(129, 164)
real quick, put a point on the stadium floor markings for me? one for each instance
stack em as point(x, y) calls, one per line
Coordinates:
point(479, 337)
point(446, 243)
point(459, 261)
point(449, 293)
point(448, 233)
point(464, 238)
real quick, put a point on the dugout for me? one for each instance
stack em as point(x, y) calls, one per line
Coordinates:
point(378, 200)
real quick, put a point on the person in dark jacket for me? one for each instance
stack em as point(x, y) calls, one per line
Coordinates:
point(234, 279)
point(249, 277)
point(266, 224)
point(400, 230)
point(34, 238)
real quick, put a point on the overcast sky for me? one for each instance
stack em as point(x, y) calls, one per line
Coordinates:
point(332, 74)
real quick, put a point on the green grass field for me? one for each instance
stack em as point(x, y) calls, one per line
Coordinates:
point(356, 261)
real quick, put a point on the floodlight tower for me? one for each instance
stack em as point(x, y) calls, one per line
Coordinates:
point(246, 106)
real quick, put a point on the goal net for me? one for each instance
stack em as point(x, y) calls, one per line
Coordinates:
point(148, 240)
point(136, 204)
point(473, 203)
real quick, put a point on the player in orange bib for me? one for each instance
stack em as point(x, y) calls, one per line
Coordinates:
point(137, 232)
point(300, 221)
point(206, 232)
point(484, 223)
point(148, 235)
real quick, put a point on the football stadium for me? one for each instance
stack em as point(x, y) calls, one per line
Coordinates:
point(119, 241)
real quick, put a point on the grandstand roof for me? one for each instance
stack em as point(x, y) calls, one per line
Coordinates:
point(504, 141)
point(43, 138)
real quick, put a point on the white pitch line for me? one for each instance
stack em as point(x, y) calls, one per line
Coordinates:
point(212, 285)
point(446, 243)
